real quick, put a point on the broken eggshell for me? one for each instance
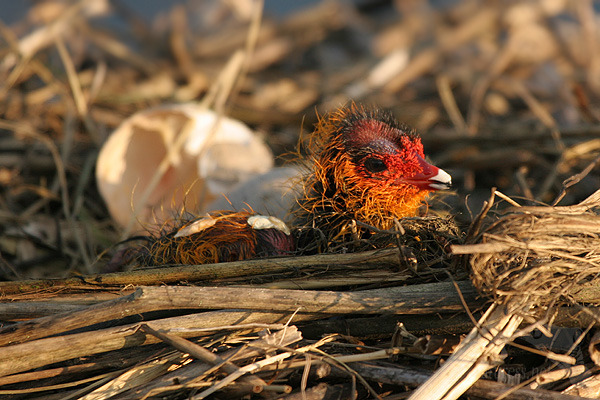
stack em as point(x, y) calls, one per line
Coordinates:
point(217, 154)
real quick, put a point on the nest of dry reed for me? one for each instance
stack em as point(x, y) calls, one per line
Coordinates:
point(542, 255)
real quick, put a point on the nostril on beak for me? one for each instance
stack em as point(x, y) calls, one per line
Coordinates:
point(441, 181)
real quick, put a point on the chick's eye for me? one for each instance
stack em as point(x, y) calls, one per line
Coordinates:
point(374, 165)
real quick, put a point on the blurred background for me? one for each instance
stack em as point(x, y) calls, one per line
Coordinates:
point(504, 93)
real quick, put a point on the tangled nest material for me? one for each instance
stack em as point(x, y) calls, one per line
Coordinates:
point(539, 255)
point(425, 240)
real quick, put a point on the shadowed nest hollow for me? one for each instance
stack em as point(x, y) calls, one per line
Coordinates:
point(426, 240)
point(539, 255)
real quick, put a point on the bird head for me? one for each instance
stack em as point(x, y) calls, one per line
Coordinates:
point(374, 165)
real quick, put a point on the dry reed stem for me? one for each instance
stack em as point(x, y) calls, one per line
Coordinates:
point(29, 45)
point(458, 368)
point(450, 105)
point(195, 374)
point(47, 388)
point(587, 388)
point(486, 359)
point(425, 61)
point(200, 353)
point(207, 272)
point(143, 374)
point(56, 157)
point(401, 375)
point(413, 299)
point(558, 374)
